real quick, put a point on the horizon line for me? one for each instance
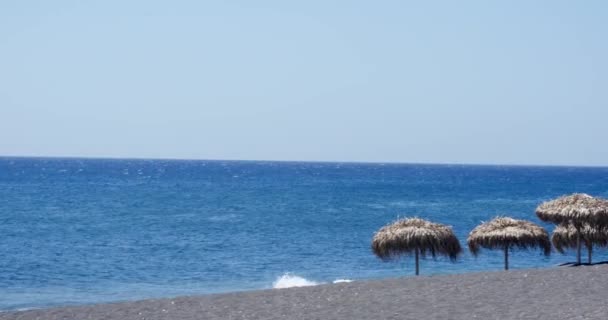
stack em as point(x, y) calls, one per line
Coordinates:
point(71, 157)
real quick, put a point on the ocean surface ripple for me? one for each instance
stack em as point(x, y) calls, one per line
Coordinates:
point(78, 231)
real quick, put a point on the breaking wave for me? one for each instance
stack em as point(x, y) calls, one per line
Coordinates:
point(289, 280)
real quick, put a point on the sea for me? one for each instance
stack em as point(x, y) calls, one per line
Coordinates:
point(80, 231)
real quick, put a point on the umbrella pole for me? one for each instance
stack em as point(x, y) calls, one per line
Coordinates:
point(506, 257)
point(578, 247)
point(417, 263)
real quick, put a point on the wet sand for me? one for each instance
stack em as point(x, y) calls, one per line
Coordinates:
point(556, 293)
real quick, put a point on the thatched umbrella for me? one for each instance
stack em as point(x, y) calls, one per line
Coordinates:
point(576, 209)
point(565, 236)
point(506, 233)
point(418, 236)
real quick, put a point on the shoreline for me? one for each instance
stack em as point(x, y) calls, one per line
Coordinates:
point(556, 293)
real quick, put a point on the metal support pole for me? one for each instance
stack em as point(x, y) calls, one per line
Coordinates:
point(578, 247)
point(417, 262)
point(506, 257)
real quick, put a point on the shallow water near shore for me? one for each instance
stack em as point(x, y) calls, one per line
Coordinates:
point(76, 231)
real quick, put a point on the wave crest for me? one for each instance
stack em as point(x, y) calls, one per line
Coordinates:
point(289, 281)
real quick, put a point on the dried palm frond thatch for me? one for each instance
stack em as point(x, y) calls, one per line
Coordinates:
point(577, 210)
point(506, 233)
point(417, 236)
point(565, 237)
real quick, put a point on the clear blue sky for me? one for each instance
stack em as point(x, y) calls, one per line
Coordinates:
point(513, 82)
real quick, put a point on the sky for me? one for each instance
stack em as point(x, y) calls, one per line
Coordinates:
point(482, 82)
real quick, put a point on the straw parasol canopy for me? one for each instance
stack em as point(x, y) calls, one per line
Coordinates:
point(576, 209)
point(506, 233)
point(565, 237)
point(418, 236)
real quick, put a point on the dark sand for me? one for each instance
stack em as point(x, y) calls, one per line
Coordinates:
point(556, 293)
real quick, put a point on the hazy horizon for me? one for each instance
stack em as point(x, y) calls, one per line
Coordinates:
point(473, 82)
point(71, 157)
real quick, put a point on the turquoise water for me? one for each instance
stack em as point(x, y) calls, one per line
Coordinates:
point(84, 231)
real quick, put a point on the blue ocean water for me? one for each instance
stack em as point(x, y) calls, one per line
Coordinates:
point(85, 231)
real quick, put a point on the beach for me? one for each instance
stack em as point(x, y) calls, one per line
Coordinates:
point(303, 160)
point(553, 293)
point(89, 231)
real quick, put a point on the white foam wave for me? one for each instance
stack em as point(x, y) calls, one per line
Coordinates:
point(342, 281)
point(289, 281)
